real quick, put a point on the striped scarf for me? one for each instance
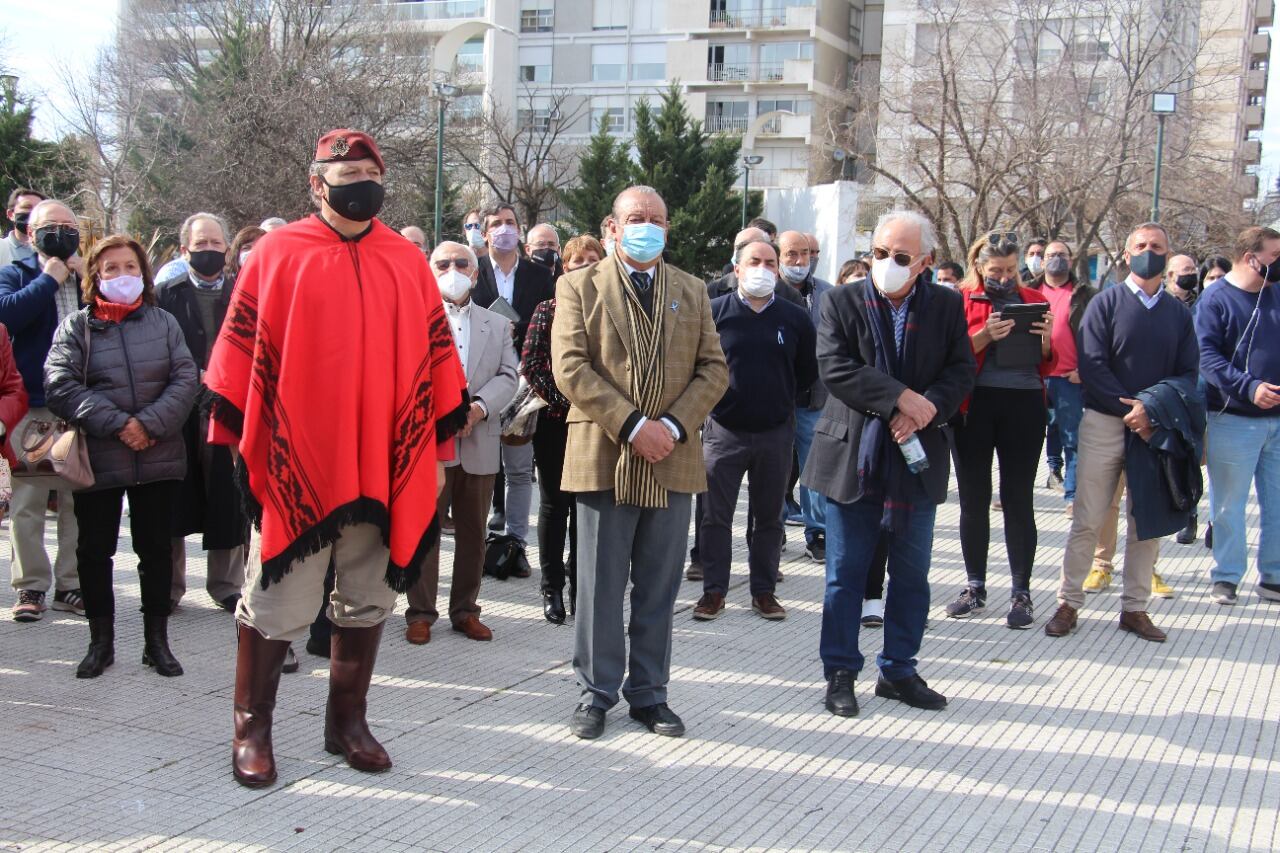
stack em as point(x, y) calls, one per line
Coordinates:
point(634, 480)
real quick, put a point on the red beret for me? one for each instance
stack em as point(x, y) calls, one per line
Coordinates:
point(343, 145)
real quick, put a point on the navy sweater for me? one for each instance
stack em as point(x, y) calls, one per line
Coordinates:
point(1126, 348)
point(1232, 362)
point(770, 356)
point(29, 310)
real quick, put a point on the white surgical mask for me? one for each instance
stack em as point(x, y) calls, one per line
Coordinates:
point(244, 256)
point(889, 277)
point(1035, 263)
point(758, 281)
point(475, 239)
point(122, 290)
point(453, 285)
point(795, 275)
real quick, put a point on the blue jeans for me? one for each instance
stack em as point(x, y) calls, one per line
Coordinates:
point(1066, 407)
point(1243, 451)
point(851, 545)
point(813, 506)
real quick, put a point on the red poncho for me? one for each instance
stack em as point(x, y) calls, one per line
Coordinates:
point(336, 375)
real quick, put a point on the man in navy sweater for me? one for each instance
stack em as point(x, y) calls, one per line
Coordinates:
point(1133, 336)
point(771, 347)
point(1238, 326)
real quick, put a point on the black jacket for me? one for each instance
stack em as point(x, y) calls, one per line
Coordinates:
point(1163, 474)
point(533, 286)
point(178, 297)
point(858, 390)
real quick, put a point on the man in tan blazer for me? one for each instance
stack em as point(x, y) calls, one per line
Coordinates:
point(635, 351)
point(483, 339)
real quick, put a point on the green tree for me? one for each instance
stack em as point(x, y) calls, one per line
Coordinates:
point(603, 172)
point(695, 173)
point(53, 168)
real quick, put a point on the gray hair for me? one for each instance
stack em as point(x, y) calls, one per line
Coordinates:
point(475, 264)
point(928, 234)
point(47, 203)
point(742, 247)
point(184, 233)
point(272, 222)
point(638, 189)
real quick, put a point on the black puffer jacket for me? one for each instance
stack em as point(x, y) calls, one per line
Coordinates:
point(139, 368)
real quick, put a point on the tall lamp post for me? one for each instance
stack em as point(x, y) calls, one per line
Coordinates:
point(444, 92)
point(748, 160)
point(1163, 104)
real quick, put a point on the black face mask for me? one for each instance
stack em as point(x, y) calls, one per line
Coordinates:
point(1187, 281)
point(548, 258)
point(208, 262)
point(20, 221)
point(1147, 265)
point(56, 241)
point(358, 202)
point(1271, 272)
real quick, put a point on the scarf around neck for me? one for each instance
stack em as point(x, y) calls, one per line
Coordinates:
point(635, 483)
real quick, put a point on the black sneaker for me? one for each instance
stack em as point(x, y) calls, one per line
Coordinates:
point(1268, 591)
point(816, 547)
point(69, 601)
point(968, 602)
point(1021, 614)
point(1225, 593)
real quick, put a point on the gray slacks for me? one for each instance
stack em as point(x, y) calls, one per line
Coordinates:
point(617, 543)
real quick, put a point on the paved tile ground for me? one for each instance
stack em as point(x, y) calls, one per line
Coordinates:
point(1097, 742)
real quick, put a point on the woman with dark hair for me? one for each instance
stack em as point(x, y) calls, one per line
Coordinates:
point(1213, 268)
point(853, 270)
point(1005, 416)
point(241, 246)
point(120, 371)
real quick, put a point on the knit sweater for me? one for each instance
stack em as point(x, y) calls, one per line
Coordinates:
point(771, 354)
point(1238, 350)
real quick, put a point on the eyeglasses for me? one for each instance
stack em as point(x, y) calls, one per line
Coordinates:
point(472, 226)
point(1002, 242)
point(902, 259)
point(444, 263)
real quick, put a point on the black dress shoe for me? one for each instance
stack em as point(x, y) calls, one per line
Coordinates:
point(912, 691)
point(587, 722)
point(1190, 533)
point(498, 522)
point(840, 699)
point(521, 569)
point(318, 648)
point(229, 603)
point(659, 719)
point(553, 606)
point(573, 601)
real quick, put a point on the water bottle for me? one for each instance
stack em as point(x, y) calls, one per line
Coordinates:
point(913, 452)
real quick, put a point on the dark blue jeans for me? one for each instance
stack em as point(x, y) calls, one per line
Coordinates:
point(1066, 407)
point(852, 532)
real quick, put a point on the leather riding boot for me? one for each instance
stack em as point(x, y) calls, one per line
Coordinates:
point(102, 651)
point(155, 647)
point(346, 732)
point(258, 662)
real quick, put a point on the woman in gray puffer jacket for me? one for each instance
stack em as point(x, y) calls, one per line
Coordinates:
point(119, 370)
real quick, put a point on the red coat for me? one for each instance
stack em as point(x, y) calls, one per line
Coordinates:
point(976, 314)
point(13, 395)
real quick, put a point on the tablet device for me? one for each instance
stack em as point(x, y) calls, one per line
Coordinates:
point(1022, 347)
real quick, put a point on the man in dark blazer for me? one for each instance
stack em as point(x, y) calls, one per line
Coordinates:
point(895, 357)
point(523, 284)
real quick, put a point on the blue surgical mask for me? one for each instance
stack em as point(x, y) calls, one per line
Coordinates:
point(643, 241)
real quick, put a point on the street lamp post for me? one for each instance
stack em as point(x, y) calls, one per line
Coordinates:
point(748, 160)
point(443, 91)
point(1163, 104)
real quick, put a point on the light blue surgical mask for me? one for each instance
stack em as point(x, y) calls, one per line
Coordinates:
point(643, 241)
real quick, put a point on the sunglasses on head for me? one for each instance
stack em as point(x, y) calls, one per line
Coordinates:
point(902, 259)
point(1003, 242)
point(444, 263)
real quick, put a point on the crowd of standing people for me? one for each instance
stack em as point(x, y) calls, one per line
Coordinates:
point(210, 398)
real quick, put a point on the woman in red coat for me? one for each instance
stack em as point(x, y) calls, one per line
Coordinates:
point(13, 408)
point(1004, 416)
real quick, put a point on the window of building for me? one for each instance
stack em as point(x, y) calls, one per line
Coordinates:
point(648, 16)
point(728, 61)
point(609, 15)
point(926, 47)
point(537, 115)
point(537, 16)
point(535, 64)
point(773, 56)
point(613, 110)
point(608, 62)
point(649, 61)
point(724, 115)
point(471, 56)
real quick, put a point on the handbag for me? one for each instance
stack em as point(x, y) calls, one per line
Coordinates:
point(519, 419)
point(55, 448)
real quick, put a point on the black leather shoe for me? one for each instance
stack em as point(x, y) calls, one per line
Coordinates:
point(573, 601)
point(1190, 533)
point(229, 603)
point(587, 722)
point(659, 719)
point(553, 606)
point(911, 691)
point(319, 648)
point(840, 699)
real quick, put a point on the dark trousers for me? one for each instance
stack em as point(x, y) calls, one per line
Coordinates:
point(853, 533)
point(765, 457)
point(555, 507)
point(470, 495)
point(1010, 423)
point(322, 628)
point(150, 528)
point(876, 572)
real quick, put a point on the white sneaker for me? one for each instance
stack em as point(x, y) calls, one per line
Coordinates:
point(873, 613)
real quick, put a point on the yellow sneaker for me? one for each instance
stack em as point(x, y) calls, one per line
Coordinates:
point(1159, 588)
point(1098, 580)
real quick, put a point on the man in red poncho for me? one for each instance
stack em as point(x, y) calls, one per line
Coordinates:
point(336, 379)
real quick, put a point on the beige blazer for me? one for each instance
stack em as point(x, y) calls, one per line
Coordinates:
point(591, 361)
point(491, 377)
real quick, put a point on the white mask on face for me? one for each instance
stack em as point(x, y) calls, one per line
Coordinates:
point(244, 256)
point(453, 285)
point(758, 282)
point(889, 277)
point(475, 239)
point(1035, 263)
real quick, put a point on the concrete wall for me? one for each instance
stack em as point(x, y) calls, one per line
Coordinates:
point(827, 210)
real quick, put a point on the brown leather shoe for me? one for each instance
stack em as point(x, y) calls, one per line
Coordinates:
point(474, 629)
point(1138, 622)
point(1063, 621)
point(768, 607)
point(258, 662)
point(709, 607)
point(418, 633)
point(353, 652)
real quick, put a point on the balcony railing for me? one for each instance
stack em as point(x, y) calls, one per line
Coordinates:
point(769, 16)
point(747, 72)
point(432, 10)
point(726, 124)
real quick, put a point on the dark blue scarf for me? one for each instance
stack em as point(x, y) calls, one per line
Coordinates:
point(882, 469)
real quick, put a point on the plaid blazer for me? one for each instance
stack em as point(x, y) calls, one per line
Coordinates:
point(592, 363)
